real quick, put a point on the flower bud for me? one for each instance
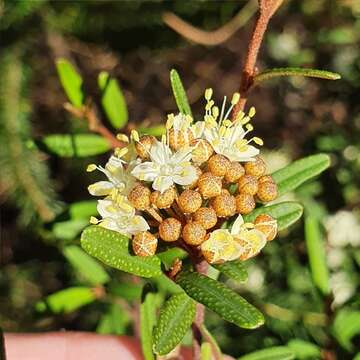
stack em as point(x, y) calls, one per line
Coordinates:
point(267, 225)
point(267, 191)
point(234, 172)
point(206, 217)
point(218, 165)
point(224, 205)
point(209, 185)
point(201, 152)
point(139, 197)
point(255, 168)
point(163, 200)
point(265, 178)
point(144, 244)
point(193, 233)
point(189, 201)
point(245, 203)
point(179, 138)
point(170, 229)
point(143, 146)
point(248, 184)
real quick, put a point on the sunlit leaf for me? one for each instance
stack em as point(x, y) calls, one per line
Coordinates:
point(69, 229)
point(114, 321)
point(304, 349)
point(156, 130)
point(71, 81)
point(168, 257)
point(273, 353)
point(286, 213)
point(206, 351)
point(175, 318)
point(112, 249)
point(77, 145)
point(87, 267)
point(82, 209)
point(293, 175)
point(346, 326)
point(113, 100)
point(179, 93)
point(220, 299)
point(235, 270)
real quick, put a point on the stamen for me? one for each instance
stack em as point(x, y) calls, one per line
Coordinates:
point(134, 135)
point(258, 141)
point(91, 167)
point(222, 110)
point(122, 137)
point(208, 94)
point(94, 220)
point(252, 112)
point(215, 112)
point(121, 152)
point(235, 99)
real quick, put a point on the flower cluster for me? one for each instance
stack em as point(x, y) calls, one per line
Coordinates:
point(186, 186)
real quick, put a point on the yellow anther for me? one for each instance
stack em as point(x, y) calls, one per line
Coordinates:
point(121, 152)
point(239, 116)
point(163, 139)
point(122, 137)
point(249, 127)
point(170, 121)
point(245, 120)
point(209, 105)
point(258, 141)
point(91, 167)
point(134, 135)
point(252, 112)
point(189, 119)
point(94, 220)
point(215, 112)
point(222, 130)
point(208, 94)
point(248, 225)
point(235, 99)
point(227, 122)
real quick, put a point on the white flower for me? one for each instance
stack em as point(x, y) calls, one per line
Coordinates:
point(182, 123)
point(166, 168)
point(120, 216)
point(120, 179)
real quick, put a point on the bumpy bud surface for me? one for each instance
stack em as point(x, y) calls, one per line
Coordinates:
point(201, 152)
point(265, 178)
point(234, 172)
point(193, 233)
point(143, 146)
point(144, 244)
point(224, 205)
point(189, 201)
point(255, 168)
point(218, 165)
point(267, 191)
point(139, 197)
point(245, 203)
point(267, 225)
point(248, 184)
point(209, 185)
point(164, 200)
point(170, 229)
point(206, 217)
point(180, 138)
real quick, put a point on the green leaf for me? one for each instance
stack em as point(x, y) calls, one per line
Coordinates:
point(179, 93)
point(166, 286)
point(176, 316)
point(69, 229)
point(77, 145)
point(304, 349)
point(234, 270)
point(357, 356)
point(113, 100)
point(294, 71)
point(147, 323)
point(68, 300)
point(127, 291)
point(346, 326)
point(293, 175)
point(222, 300)
point(112, 249)
point(157, 130)
point(168, 257)
point(82, 209)
point(212, 341)
point(89, 268)
point(206, 351)
point(316, 252)
point(71, 81)
point(114, 321)
point(286, 213)
point(273, 353)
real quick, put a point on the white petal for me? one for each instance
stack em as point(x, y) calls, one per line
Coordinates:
point(110, 224)
point(146, 171)
point(235, 229)
point(162, 183)
point(100, 188)
point(186, 176)
point(181, 156)
point(160, 153)
point(137, 224)
point(106, 209)
point(198, 129)
point(234, 154)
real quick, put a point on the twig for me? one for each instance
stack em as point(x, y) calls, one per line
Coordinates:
point(214, 37)
point(267, 8)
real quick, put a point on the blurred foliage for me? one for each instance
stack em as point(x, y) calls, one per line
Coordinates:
point(296, 116)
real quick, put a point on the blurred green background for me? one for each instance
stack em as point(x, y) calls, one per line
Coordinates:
point(44, 199)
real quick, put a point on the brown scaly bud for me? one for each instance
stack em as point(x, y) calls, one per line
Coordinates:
point(245, 203)
point(218, 165)
point(248, 184)
point(255, 168)
point(206, 217)
point(139, 197)
point(235, 172)
point(189, 201)
point(265, 178)
point(180, 138)
point(267, 191)
point(144, 244)
point(267, 225)
point(209, 185)
point(170, 229)
point(163, 200)
point(224, 205)
point(193, 233)
point(195, 183)
point(143, 146)
point(202, 150)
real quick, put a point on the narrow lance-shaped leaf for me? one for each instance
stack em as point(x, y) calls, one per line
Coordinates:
point(77, 145)
point(71, 81)
point(220, 299)
point(293, 175)
point(179, 93)
point(87, 267)
point(304, 349)
point(234, 270)
point(316, 252)
point(112, 249)
point(286, 213)
point(113, 100)
point(114, 321)
point(216, 351)
point(176, 316)
point(294, 71)
point(157, 130)
point(346, 326)
point(82, 209)
point(273, 353)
